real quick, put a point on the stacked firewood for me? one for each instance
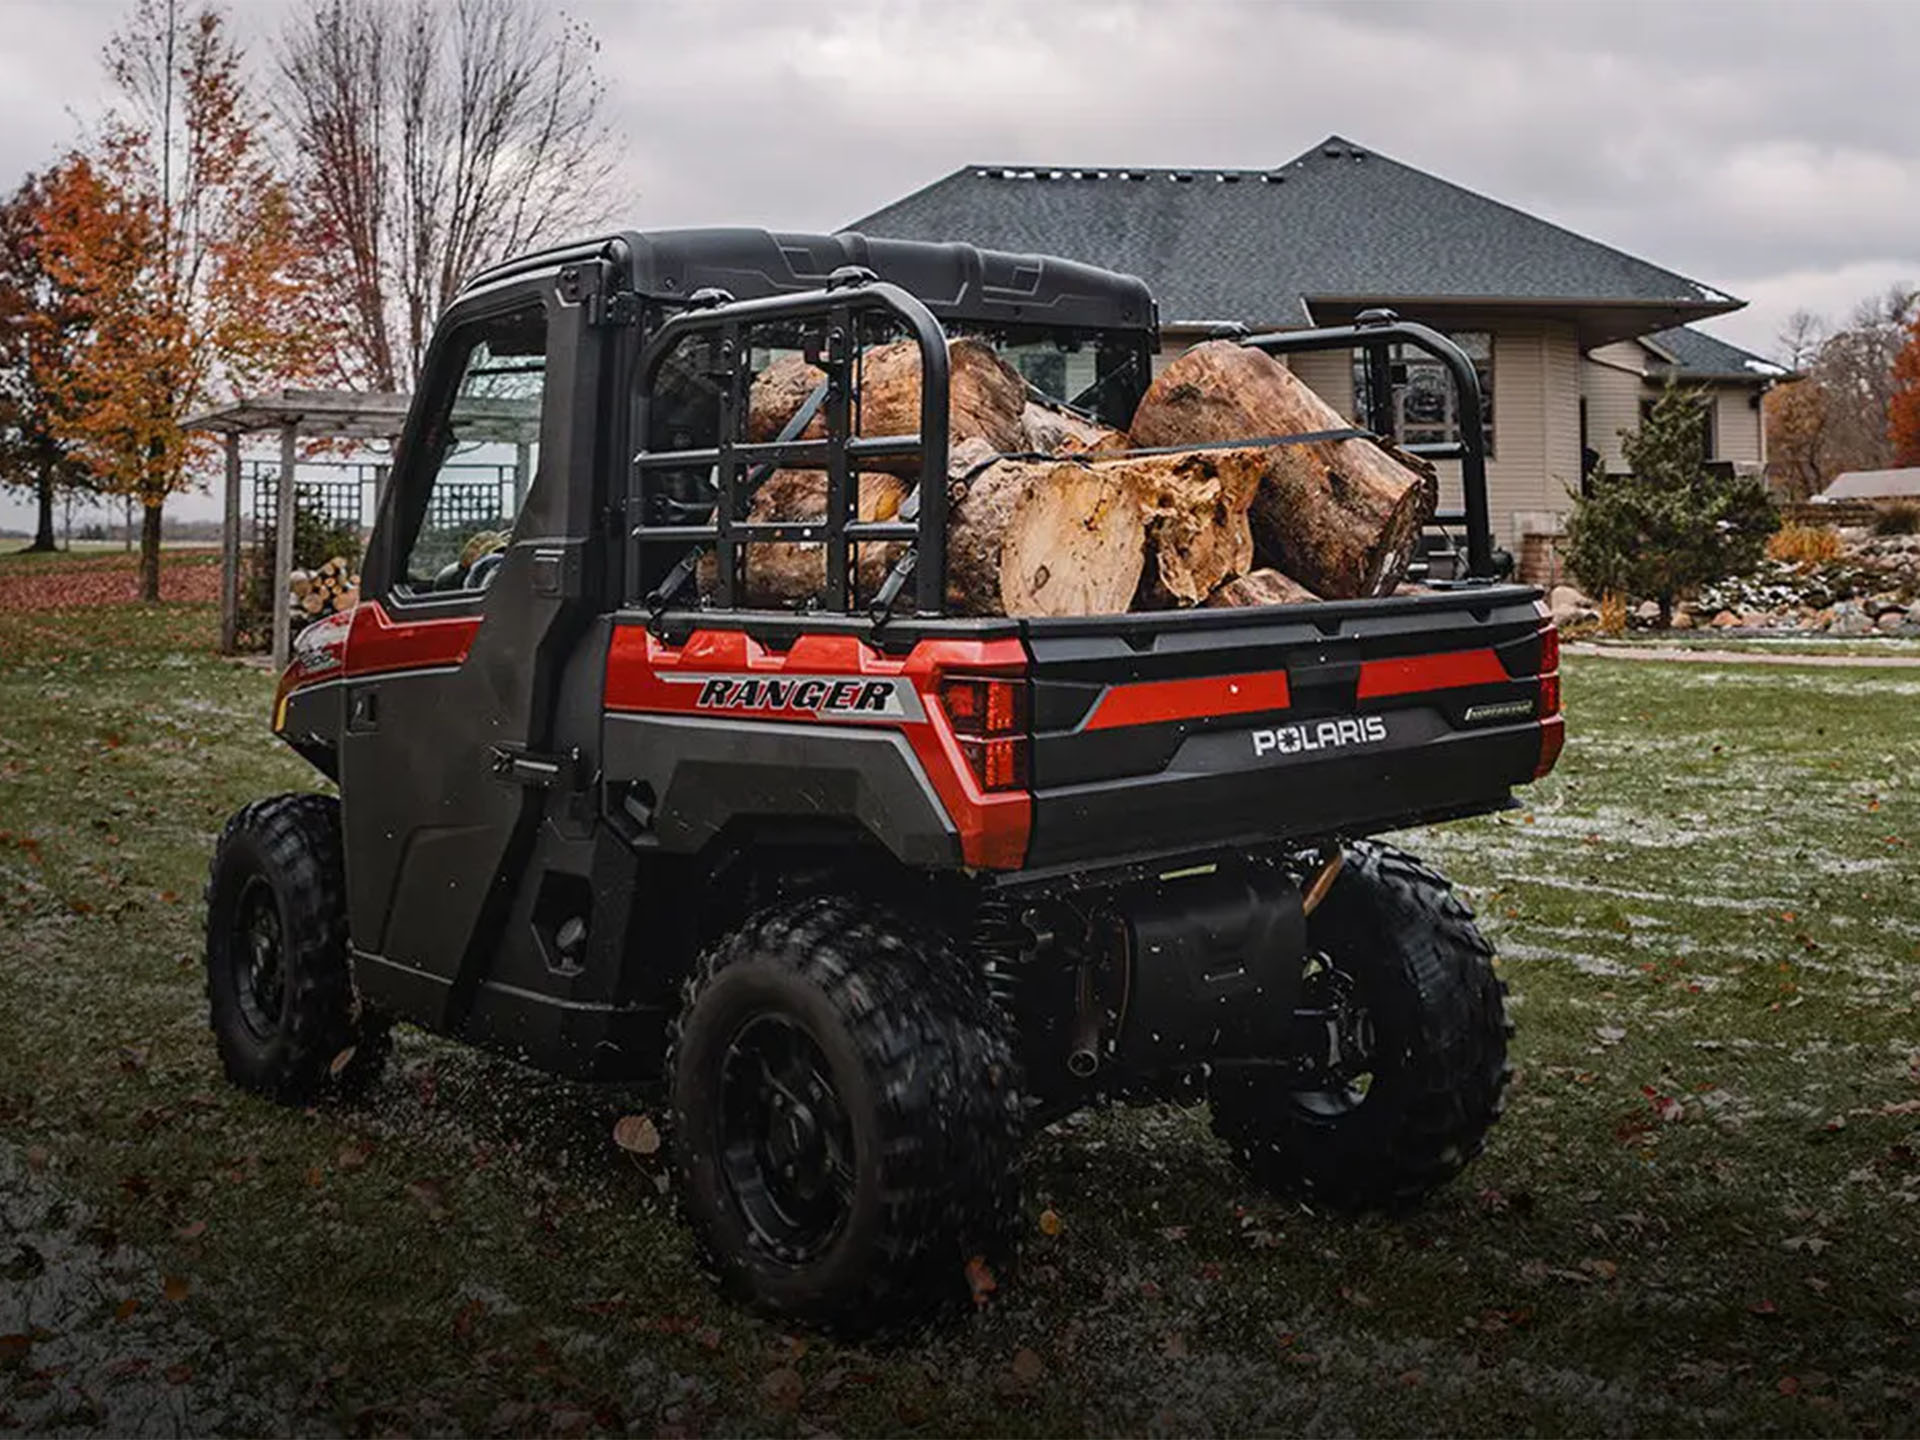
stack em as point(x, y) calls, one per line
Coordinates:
point(326, 588)
point(1050, 514)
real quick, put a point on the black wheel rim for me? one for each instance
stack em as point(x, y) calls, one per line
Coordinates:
point(786, 1143)
point(1346, 1094)
point(259, 953)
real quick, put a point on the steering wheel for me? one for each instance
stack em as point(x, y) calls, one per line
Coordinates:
point(480, 574)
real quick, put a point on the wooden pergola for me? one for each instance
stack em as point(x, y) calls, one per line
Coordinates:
point(295, 415)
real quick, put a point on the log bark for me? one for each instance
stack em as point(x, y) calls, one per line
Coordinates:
point(1056, 430)
point(1342, 516)
point(985, 397)
point(1260, 587)
point(782, 573)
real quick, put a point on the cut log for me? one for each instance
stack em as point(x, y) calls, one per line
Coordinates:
point(1260, 587)
point(1045, 538)
point(1340, 516)
point(784, 573)
point(1197, 528)
point(1055, 430)
point(985, 397)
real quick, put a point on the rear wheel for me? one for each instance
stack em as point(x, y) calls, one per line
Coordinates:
point(279, 985)
point(1408, 1115)
point(846, 1116)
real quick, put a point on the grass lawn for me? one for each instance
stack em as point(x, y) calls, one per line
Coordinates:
point(1699, 1214)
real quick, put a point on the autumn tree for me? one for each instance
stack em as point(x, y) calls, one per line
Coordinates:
point(1838, 416)
point(1798, 451)
point(1674, 521)
point(1903, 411)
point(179, 240)
point(41, 323)
point(434, 137)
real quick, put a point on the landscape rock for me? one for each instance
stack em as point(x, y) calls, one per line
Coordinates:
point(1568, 606)
point(1648, 610)
point(1850, 619)
point(1683, 620)
point(1891, 620)
point(1727, 620)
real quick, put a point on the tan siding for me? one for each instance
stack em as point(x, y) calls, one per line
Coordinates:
point(1736, 432)
point(1330, 373)
point(1613, 398)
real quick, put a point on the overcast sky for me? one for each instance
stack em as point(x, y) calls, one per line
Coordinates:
point(1769, 150)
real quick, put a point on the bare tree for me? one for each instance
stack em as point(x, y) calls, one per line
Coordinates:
point(432, 139)
point(1799, 339)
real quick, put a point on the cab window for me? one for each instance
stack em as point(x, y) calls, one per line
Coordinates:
point(482, 452)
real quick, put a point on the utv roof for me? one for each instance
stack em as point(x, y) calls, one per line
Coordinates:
point(955, 281)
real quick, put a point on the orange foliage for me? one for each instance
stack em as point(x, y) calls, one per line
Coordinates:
point(1797, 543)
point(179, 240)
point(1903, 411)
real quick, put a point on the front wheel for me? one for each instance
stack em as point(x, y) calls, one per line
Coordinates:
point(1411, 1114)
point(279, 984)
point(846, 1116)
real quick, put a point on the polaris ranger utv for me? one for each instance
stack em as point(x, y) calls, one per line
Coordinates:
point(874, 890)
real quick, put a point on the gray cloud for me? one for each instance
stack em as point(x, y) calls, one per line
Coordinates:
point(1768, 150)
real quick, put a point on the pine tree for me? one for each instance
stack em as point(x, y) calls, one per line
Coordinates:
point(1672, 523)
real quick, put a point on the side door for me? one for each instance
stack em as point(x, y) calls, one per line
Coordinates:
point(473, 592)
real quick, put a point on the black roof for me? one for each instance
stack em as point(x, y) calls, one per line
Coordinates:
point(1690, 354)
point(955, 280)
point(1337, 226)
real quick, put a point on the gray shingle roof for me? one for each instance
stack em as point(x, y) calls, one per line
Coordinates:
point(1338, 223)
point(1696, 355)
point(1874, 485)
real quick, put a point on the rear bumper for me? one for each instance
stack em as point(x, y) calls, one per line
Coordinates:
point(1200, 803)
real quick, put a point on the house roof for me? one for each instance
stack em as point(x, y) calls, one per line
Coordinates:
point(1336, 227)
point(1689, 354)
point(1874, 485)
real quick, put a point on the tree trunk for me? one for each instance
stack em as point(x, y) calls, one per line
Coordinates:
point(43, 525)
point(1341, 516)
point(1261, 587)
point(150, 551)
point(985, 397)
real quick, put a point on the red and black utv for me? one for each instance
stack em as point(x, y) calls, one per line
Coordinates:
point(874, 890)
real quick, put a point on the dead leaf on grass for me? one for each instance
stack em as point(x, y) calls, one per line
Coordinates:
point(175, 1288)
point(980, 1281)
point(191, 1232)
point(354, 1155)
point(431, 1195)
point(1050, 1223)
point(783, 1388)
point(637, 1135)
point(1028, 1367)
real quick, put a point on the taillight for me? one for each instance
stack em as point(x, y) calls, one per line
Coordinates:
point(1553, 728)
point(989, 719)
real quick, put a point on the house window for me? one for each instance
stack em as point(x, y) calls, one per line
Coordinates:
point(1425, 409)
point(1704, 408)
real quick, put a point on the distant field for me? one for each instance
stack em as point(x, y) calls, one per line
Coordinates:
point(1700, 1215)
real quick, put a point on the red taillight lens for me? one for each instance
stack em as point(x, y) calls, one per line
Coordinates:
point(1553, 735)
point(1549, 695)
point(1549, 649)
point(989, 720)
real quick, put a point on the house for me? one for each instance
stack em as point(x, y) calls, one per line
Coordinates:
point(1570, 336)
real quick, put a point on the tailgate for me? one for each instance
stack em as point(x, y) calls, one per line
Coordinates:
point(1160, 734)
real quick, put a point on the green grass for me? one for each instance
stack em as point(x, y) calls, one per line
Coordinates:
point(1706, 915)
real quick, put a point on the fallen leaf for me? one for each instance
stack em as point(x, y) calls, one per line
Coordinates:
point(1028, 1367)
point(191, 1232)
point(124, 1310)
point(980, 1280)
point(1174, 1347)
point(179, 1374)
point(1789, 1385)
point(1604, 1269)
point(175, 1288)
point(354, 1155)
point(637, 1135)
point(1050, 1223)
point(431, 1196)
point(467, 1316)
point(783, 1388)
point(14, 1346)
point(1609, 1034)
point(1763, 1307)
point(340, 1062)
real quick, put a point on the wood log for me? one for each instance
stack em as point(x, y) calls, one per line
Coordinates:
point(1053, 429)
point(1340, 516)
point(1045, 538)
point(1198, 533)
point(985, 397)
point(782, 573)
point(1260, 587)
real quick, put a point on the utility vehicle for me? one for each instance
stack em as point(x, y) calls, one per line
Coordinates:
point(873, 890)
